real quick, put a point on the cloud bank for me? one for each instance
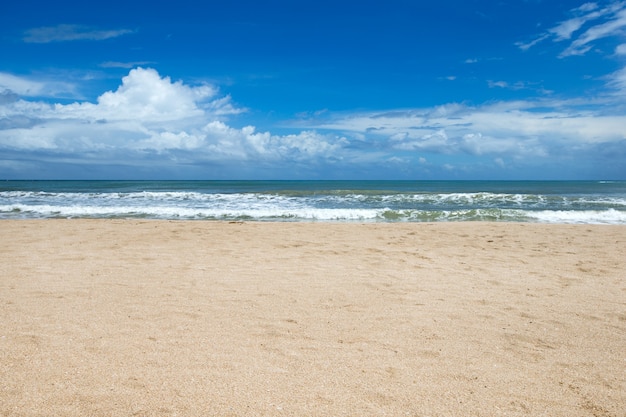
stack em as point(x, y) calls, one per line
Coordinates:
point(152, 126)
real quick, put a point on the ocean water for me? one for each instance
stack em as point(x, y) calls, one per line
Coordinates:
point(586, 202)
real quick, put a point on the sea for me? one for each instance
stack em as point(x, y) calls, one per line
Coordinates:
point(581, 202)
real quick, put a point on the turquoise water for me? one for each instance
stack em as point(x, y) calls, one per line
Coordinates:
point(589, 202)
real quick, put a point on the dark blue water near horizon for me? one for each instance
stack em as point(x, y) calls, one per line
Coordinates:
point(367, 201)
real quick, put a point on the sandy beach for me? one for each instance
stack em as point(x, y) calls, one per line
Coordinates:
point(193, 318)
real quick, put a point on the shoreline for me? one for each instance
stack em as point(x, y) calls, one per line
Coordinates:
point(192, 317)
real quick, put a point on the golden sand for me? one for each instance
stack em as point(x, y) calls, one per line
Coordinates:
point(192, 318)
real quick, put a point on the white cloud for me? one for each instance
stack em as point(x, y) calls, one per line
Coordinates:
point(617, 81)
point(500, 84)
point(145, 96)
point(611, 28)
point(524, 46)
point(516, 129)
point(150, 118)
point(24, 86)
point(20, 85)
point(587, 7)
point(148, 113)
point(565, 29)
point(620, 49)
point(126, 65)
point(601, 23)
point(64, 33)
point(519, 85)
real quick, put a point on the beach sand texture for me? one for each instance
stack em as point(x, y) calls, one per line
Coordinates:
point(193, 318)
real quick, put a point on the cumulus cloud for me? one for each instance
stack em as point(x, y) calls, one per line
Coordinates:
point(64, 33)
point(150, 115)
point(145, 96)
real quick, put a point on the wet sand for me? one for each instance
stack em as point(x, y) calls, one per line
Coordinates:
point(192, 318)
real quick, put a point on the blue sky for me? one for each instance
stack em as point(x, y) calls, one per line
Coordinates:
point(524, 89)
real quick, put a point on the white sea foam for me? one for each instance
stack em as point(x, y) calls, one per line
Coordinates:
point(172, 212)
point(610, 216)
point(323, 205)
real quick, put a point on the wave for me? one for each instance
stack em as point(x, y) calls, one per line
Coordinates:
point(609, 216)
point(318, 205)
point(331, 195)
